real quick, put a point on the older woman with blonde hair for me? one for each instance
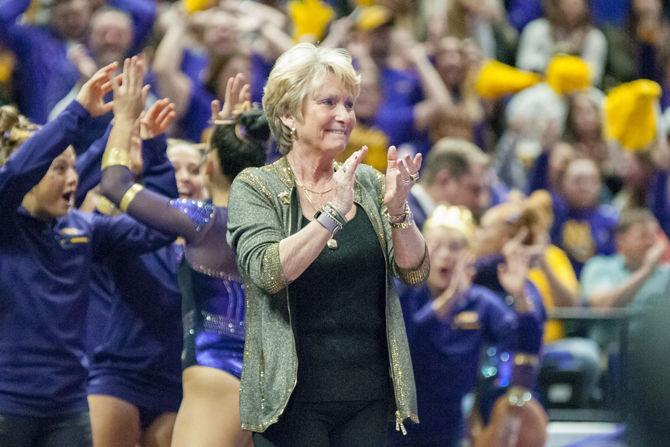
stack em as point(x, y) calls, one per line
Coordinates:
point(318, 243)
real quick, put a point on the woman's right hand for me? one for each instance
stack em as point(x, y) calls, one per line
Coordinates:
point(130, 93)
point(344, 180)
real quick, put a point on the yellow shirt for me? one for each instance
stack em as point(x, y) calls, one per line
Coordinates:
point(560, 264)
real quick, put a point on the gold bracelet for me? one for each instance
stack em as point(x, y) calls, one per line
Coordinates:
point(115, 156)
point(398, 218)
point(521, 359)
point(129, 196)
point(106, 207)
point(407, 222)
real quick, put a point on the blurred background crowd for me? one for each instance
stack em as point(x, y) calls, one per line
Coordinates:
point(551, 116)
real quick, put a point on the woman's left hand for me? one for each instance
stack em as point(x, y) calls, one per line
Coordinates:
point(401, 174)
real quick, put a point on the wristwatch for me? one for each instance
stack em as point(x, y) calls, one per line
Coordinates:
point(328, 222)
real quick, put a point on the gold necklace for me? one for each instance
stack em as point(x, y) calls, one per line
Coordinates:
point(316, 192)
point(332, 243)
point(309, 200)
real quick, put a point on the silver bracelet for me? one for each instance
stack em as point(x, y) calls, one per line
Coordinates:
point(334, 212)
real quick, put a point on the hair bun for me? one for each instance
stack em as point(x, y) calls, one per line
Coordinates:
point(255, 125)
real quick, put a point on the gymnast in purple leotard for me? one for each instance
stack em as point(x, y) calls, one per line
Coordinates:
point(213, 294)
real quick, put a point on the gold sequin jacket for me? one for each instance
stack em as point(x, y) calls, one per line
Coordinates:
point(262, 210)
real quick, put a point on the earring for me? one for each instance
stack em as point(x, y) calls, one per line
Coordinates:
point(292, 132)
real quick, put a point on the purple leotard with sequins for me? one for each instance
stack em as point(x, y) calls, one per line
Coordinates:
point(213, 296)
point(213, 306)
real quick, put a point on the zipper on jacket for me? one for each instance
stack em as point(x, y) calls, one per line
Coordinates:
point(290, 320)
point(399, 426)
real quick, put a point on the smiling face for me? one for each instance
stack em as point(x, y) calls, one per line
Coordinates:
point(54, 195)
point(446, 246)
point(328, 118)
point(188, 170)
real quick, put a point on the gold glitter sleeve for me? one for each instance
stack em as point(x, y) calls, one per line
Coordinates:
point(255, 228)
point(272, 278)
point(414, 276)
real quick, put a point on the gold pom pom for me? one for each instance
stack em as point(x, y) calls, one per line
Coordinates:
point(630, 114)
point(495, 80)
point(192, 6)
point(568, 74)
point(370, 17)
point(310, 19)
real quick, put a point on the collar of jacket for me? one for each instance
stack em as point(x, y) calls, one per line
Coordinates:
point(287, 176)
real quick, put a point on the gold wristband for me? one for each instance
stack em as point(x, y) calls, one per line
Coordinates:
point(407, 222)
point(521, 359)
point(129, 196)
point(398, 218)
point(106, 207)
point(115, 156)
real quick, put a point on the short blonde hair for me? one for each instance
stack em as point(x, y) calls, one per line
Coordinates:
point(298, 73)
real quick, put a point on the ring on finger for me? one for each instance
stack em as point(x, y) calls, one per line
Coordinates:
point(414, 177)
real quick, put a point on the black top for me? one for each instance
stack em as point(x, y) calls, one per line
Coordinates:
point(338, 313)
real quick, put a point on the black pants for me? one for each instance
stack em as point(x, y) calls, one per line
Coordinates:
point(24, 431)
point(325, 424)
